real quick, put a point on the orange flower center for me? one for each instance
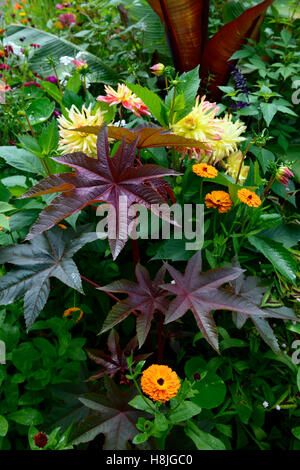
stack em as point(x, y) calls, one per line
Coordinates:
point(160, 381)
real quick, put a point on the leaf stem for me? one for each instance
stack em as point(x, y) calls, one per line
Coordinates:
point(98, 286)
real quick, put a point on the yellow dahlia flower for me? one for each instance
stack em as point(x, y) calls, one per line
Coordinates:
point(231, 136)
point(233, 165)
point(73, 141)
point(200, 124)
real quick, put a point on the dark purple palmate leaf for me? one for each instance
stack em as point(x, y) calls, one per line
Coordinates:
point(116, 361)
point(111, 415)
point(248, 288)
point(201, 293)
point(144, 296)
point(104, 179)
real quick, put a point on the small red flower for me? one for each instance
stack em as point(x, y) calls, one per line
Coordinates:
point(33, 84)
point(40, 439)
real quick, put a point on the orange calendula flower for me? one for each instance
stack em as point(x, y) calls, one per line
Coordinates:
point(17, 6)
point(71, 310)
point(160, 383)
point(205, 170)
point(219, 200)
point(249, 197)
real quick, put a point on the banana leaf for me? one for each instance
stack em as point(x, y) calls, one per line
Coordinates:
point(57, 47)
point(186, 24)
point(224, 43)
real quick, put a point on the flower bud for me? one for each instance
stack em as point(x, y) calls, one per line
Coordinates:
point(283, 175)
point(158, 69)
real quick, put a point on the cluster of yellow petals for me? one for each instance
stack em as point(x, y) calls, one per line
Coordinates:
point(249, 197)
point(233, 164)
point(219, 200)
point(160, 383)
point(74, 141)
point(221, 135)
point(205, 170)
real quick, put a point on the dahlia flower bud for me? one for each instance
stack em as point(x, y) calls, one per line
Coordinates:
point(283, 175)
point(80, 64)
point(158, 69)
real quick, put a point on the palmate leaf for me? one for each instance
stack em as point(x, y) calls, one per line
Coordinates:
point(50, 255)
point(111, 416)
point(116, 361)
point(229, 39)
point(186, 23)
point(148, 136)
point(201, 293)
point(248, 288)
point(104, 179)
point(144, 296)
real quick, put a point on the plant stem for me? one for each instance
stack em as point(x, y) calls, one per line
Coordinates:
point(135, 252)
point(160, 342)
point(139, 390)
point(243, 158)
point(30, 126)
point(173, 107)
point(268, 187)
point(56, 74)
point(98, 286)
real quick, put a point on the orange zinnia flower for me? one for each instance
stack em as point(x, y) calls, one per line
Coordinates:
point(71, 310)
point(249, 197)
point(218, 200)
point(160, 383)
point(205, 170)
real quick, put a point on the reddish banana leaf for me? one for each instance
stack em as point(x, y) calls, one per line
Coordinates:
point(148, 137)
point(225, 42)
point(145, 296)
point(104, 179)
point(186, 23)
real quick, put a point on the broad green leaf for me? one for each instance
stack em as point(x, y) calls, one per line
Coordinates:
point(27, 417)
point(3, 426)
point(29, 143)
point(296, 432)
point(185, 411)
point(201, 439)
point(155, 104)
point(263, 155)
point(277, 254)
point(4, 221)
point(268, 111)
point(211, 391)
point(48, 140)
point(22, 160)
point(40, 110)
